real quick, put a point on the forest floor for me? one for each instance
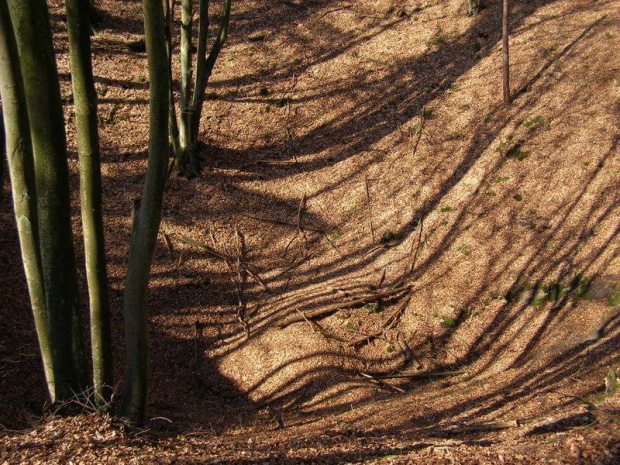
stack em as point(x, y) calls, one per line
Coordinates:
point(356, 148)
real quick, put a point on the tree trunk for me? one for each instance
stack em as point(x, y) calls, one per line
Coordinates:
point(45, 114)
point(21, 170)
point(2, 157)
point(85, 101)
point(202, 78)
point(147, 217)
point(505, 57)
point(185, 136)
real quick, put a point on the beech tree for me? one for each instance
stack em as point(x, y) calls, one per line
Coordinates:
point(184, 130)
point(36, 144)
point(21, 172)
point(147, 215)
point(32, 30)
point(85, 105)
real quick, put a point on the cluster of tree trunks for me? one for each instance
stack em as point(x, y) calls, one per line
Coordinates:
point(36, 149)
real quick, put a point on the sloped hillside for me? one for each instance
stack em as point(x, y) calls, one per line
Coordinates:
point(359, 150)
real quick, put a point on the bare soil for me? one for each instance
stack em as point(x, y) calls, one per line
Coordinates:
point(324, 117)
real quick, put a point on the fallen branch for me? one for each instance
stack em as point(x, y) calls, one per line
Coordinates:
point(283, 223)
point(498, 425)
point(428, 374)
point(389, 324)
point(372, 379)
point(222, 256)
point(323, 312)
point(369, 210)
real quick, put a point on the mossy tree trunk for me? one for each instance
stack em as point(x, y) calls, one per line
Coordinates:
point(85, 101)
point(40, 77)
point(21, 171)
point(192, 97)
point(147, 216)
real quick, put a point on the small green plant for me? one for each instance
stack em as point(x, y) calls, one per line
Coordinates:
point(538, 122)
point(488, 119)
point(611, 382)
point(445, 209)
point(388, 348)
point(335, 234)
point(502, 179)
point(437, 40)
point(111, 119)
point(518, 197)
point(463, 248)
point(255, 183)
point(102, 90)
point(351, 208)
point(504, 142)
point(447, 322)
point(373, 307)
point(516, 153)
point(549, 245)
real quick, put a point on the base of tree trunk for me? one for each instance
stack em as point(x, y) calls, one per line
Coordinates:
point(188, 164)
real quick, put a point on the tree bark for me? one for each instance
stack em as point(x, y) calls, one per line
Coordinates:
point(85, 101)
point(147, 217)
point(505, 56)
point(2, 157)
point(40, 77)
point(21, 171)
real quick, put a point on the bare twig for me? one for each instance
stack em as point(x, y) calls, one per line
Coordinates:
point(369, 210)
point(414, 149)
point(418, 247)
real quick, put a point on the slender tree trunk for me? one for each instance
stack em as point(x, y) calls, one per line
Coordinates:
point(40, 76)
point(505, 56)
point(21, 170)
point(147, 217)
point(185, 135)
point(172, 118)
point(202, 78)
point(184, 161)
point(2, 156)
point(85, 99)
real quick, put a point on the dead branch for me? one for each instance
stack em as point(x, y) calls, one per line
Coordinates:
point(389, 324)
point(283, 223)
point(222, 256)
point(420, 129)
point(420, 375)
point(385, 385)
point(369, 210)
point(498, 425)
point(323, 312)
